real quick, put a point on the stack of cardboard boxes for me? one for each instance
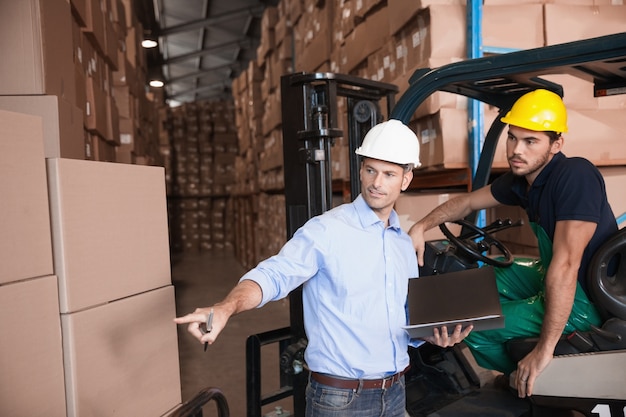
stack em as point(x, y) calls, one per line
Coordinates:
point(85, 284)
point(79, 65)
point(85, 287)
point(388, 41)
point(201, 175)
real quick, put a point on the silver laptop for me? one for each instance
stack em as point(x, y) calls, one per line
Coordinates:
point(464, 297)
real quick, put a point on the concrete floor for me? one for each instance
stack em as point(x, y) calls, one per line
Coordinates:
point(200, 280)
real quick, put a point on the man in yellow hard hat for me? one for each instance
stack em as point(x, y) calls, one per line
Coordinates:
point(354, 263)
point(567, 207)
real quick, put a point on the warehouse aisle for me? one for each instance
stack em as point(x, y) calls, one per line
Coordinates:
point(201, 279)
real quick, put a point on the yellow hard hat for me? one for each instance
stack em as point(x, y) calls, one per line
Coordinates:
point(391, 141)
point(540, 110)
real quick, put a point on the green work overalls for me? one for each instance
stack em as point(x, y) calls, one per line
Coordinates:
point(522, 295)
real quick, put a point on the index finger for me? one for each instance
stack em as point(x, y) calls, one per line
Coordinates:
point(529, 385)
point(420, 256)
point(190, 318)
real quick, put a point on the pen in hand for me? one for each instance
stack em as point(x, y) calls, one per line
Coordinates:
point(208, 328)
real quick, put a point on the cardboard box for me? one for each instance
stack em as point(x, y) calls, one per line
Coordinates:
point(96, 115)
point(565, 23)
point(95, 25)
point(413, 206)
point(443, 139)
point(121, 358)
point(103, 150)
point(597, 135)
point(62, 123)
point(316, 43)
point(110, 236)
point(436, 32)
point(400, 12)
point(25, 246)
point(366, 38)
point(79, 11)
point(503, 24)
point(36, 45)
point(31, 356)
point(340, 160)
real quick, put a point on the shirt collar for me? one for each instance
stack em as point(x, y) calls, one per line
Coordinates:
point(368, 217)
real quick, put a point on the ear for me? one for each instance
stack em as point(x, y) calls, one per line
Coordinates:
point(406, 179)
point(557, 145)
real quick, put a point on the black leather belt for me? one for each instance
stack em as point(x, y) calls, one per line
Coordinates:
point(354, 384)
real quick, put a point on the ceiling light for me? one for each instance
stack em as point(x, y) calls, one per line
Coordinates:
point(149, 43)
point(156, 83)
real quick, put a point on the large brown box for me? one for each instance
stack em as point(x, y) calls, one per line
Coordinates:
point(25, 246)
point(316, 43)
point(593, 134)
point(400, 12)
point(566, 23)
point(109, 228)
point(443, 139)
point(121, 358)
point(62, 123)
point(413, 206)
point(366, 38)
point(502, 25)
point(95, 24)
point(436, 32)
point(31, 357)
point(36, 45)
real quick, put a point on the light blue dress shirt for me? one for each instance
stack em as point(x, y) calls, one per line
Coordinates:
point(355, 274)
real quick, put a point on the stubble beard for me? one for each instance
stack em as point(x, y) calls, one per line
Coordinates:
point(531, 169)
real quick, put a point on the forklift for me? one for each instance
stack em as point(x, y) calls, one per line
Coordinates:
point(443, 382)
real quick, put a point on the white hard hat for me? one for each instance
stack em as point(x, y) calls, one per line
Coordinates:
point(391, 141)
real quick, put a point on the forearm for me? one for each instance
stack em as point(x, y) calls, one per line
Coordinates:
point(560, 284)
point(245, 296)
point(570, 240)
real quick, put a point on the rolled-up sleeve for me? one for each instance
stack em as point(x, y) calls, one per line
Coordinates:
point(298, 260)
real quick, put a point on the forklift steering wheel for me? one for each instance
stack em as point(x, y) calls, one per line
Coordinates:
point(474, 248)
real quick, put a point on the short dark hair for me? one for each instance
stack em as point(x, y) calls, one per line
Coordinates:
point(553, 136)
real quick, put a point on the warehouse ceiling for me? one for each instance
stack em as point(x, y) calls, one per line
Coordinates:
point(202, 44)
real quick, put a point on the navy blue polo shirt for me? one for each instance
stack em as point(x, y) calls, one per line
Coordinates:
point(566, 189)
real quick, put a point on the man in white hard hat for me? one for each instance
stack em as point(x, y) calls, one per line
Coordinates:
point(355, 262)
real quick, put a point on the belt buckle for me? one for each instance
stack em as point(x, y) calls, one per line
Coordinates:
point(384, 384)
